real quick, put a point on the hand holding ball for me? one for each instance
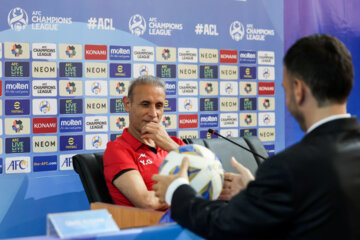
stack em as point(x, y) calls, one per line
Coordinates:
point(205, 172)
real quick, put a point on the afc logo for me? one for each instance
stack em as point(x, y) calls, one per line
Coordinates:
point(137, 25)
point(18, 19)
point(17, 165)
point(67, 162)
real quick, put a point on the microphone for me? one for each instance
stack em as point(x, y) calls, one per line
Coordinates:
point(227, 139)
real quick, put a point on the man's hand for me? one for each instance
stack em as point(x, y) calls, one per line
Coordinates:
point(155, 133)
point(163, 181)
point(234, 183)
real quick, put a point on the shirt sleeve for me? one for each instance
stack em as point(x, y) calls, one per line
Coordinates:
point(172, 187)
point(117, 158)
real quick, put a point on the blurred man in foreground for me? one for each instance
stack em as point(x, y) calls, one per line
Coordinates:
point(132, 159)
point(309, 191)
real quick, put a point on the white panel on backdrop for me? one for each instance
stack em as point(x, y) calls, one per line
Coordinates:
point(44, 88)
point(71, 88)
point(17, 50)
point(188, 55)
point(17, 126)
point(188, 88)
point(96, 70)
point(70, 51)
point(209, 88)
point(266, 73)
point(96, 141)
point(208, 55)
point(96, 124)
point(119, 123)
point(19, 164)
point(44, 106)
point(119, 88)
point(141, 69)
point(44, 51)
point(188, 104)
point(44, 69)
point(229, 88)
point(66, 162)
point(229, 133)
point(143, 53)
point(96, 88)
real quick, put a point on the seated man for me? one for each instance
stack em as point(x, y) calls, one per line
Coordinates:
point(132, 159)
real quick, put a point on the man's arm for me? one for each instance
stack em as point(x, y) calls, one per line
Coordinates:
point(132, 185)
point(263, 208)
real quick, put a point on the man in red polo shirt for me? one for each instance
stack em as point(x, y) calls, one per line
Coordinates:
point(132, 159)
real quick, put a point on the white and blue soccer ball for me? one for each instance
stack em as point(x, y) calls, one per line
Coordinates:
point(206, 174)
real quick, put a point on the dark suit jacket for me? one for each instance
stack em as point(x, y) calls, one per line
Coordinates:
point(309, 191)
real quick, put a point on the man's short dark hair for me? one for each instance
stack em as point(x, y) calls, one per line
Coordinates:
point(324, 64)
point(145, 80)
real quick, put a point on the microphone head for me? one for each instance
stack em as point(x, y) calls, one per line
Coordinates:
point(211, 131)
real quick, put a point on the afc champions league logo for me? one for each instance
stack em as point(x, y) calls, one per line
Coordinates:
point(18, 19)
point(137, 25)
point(96, 141)
point(237, 31)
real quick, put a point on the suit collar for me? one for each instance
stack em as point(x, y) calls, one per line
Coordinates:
point(327, 119)
point(343, 124)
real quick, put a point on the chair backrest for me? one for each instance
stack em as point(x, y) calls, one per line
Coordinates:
point(90, 168)
point(225, 150)
point(198, 141)
point(256, 146)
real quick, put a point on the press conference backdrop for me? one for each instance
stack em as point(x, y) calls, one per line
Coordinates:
point(65, 66)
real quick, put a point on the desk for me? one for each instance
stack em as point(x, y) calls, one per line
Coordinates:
point(165, 232)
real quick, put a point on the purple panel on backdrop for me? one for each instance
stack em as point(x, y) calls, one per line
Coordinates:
point(339, 18)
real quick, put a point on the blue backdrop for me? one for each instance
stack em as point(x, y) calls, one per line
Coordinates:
point(234, 47)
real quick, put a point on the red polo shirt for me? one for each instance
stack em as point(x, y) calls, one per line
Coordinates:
point(125, 153)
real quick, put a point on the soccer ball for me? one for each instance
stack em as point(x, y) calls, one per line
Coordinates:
point(206, 174)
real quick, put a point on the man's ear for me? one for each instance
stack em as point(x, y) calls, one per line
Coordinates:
point(126, 102)
point(299, 88)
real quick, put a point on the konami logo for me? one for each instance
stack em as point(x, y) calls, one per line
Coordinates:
point(95, 52)
point(228, 56)
point(188, 121)
point(266, 88)
point(45, 125)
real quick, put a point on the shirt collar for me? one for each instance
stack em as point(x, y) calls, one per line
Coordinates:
point(327, 119)
point(133, 142)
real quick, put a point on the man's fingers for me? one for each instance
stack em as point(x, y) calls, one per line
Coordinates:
point(184, 167)
point(156, 177)
point(238, 166)
point(244, 172)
